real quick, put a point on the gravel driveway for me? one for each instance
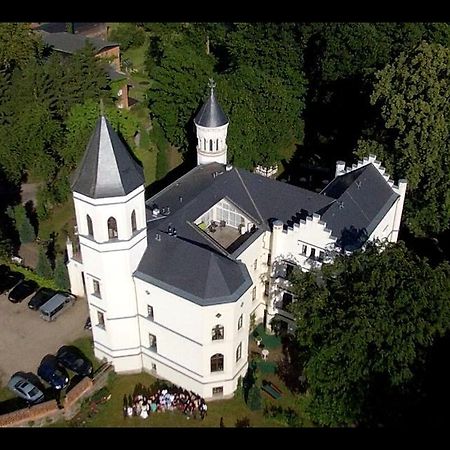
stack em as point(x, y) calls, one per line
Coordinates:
point(25, 338)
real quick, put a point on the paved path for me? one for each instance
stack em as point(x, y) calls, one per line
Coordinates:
point(25, 338)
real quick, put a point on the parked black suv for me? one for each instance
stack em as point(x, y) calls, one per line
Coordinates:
point(9, 280)
point(22, 291)
point(41, 296)
point(51, 372)
point(72, 358)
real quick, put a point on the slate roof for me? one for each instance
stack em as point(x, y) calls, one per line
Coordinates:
point(362, 198)
point(194, 266)
point(70, 43)
point(107, 168)
point(211, 114)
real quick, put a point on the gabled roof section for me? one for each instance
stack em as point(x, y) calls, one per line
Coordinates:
point(71, 43)
point(211, 114)
point(362, 198)
point(107, 168)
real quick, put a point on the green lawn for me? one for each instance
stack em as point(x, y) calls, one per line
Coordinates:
point(148, 160)
point(110, 414)
point(61, 219)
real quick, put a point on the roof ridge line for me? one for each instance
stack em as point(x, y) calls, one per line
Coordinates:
point(249, 196)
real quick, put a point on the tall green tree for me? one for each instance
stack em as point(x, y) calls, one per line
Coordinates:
point(178, 86)
point(43, 267)
point(366, 317)
point(18, 45)
point(413, 94)
point(61, 275)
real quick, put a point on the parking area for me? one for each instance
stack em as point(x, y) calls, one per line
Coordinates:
point(25, 338)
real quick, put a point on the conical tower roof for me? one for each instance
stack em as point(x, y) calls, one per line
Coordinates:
point(107, 168)
point(211, 114)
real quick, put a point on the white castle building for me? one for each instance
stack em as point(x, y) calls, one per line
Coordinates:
point(174, 282)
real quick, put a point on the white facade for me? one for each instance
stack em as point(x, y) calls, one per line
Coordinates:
point(138, 325)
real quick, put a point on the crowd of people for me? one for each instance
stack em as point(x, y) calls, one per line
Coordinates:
point(165, 399)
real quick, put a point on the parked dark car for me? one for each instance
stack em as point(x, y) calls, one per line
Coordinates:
point(9, 280)
point(51, 372)
point(22, 291)
point(25, 389)
point(41, 296)
point(4, 269)
point(72, 358)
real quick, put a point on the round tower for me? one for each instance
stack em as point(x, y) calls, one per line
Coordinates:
point(211, 125)
point(108, 194)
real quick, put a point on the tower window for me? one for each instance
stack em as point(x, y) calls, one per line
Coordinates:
point(217, 144)
point(150, 312)
point(204, 143)
point(100, 320)
point(240, 322)
point(152, 342)
point(217, 333)
point(210, 145)
point(112, 228)
point(97, 288)
point(133, 221)
point(254, 294)
point(217, 363)
point(90, 227)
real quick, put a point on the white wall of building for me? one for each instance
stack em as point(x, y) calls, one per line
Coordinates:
point(184, 338)
point(217, 137)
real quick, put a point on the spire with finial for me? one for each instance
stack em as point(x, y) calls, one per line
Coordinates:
point(211, 115)
point(212, 85)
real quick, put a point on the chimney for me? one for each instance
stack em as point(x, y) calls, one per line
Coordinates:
point(340, 168)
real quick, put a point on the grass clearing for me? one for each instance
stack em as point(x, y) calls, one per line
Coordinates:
point(60, 221)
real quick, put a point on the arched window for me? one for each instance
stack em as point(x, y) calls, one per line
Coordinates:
point(217, 362)
point(112, 228)
point(90, 227)
point(218, 332)
point(204, 143)
point(133, 221)
point(210, 145)
point(217, 144)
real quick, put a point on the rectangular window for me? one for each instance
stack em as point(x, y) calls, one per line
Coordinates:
point(313, 253)
point(217, 390)
point(254, 294)
point(304, 249)
point(218, 333)
point(321, 255)
point(266, 288)
point(152, 342)
point(255, 264)
point(97, 288)
point(239, 352)
point(289, 269)
point(287, 299)
point(150, 312)
point(269, 259)
point(153, 367)
point(101, 319)
point(241, 319)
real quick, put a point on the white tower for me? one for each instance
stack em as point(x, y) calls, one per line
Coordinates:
point(108, 193)
point(212, 125)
